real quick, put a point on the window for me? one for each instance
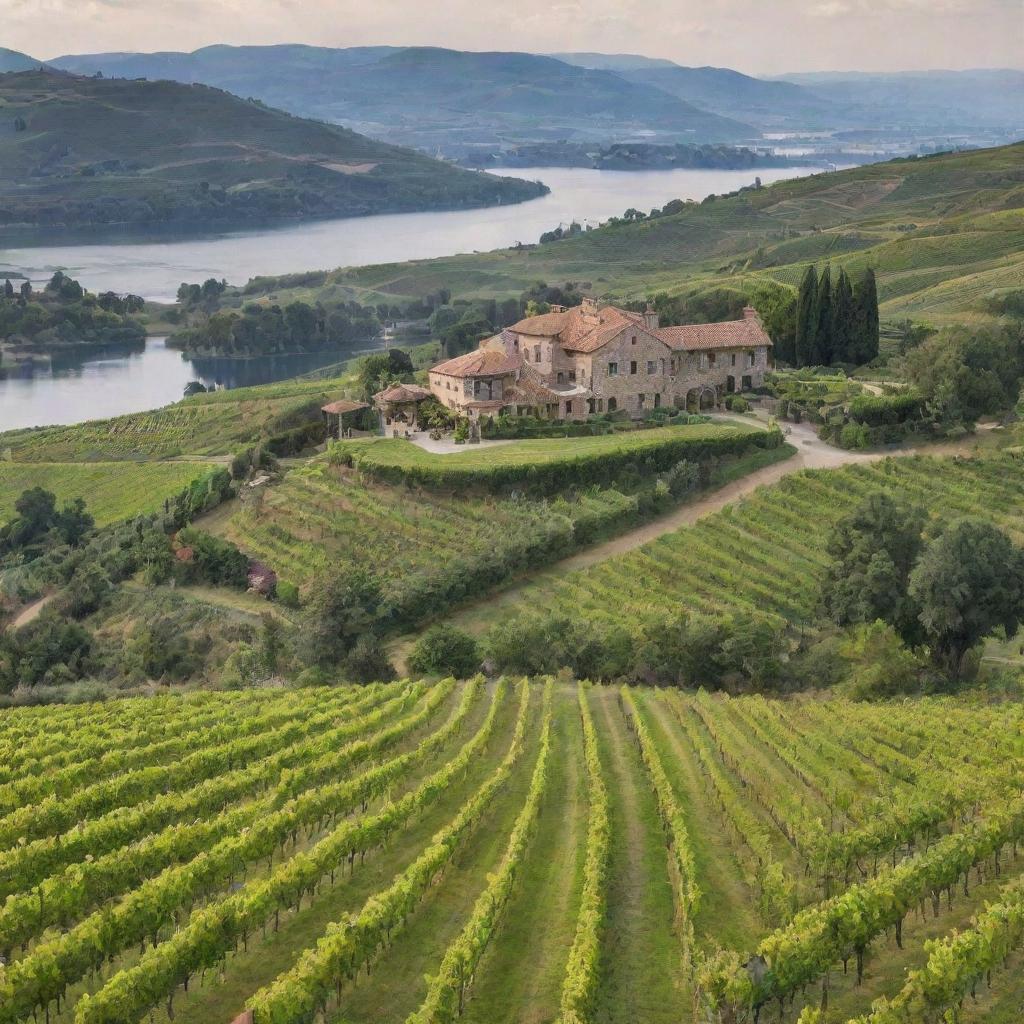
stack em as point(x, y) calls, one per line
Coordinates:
point(750, 359)
point(673, 364)
point(663, 367)
point(572, 375)
point(600, 405)
point(632, 340)
point(568, 408)
point(657, 400)
point(536, 353)
point(711, 359)
point(632, 366)
point(561, 377)
point(732, 359)
point(515, 344)
point(612, 405)
point(640, 400)
point(613, 369)
point(652, 367)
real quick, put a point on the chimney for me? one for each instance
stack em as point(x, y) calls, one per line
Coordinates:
point(589, 309)
point(555, 308)
point(650, 318)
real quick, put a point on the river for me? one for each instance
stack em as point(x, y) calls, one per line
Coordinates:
point(107, 384)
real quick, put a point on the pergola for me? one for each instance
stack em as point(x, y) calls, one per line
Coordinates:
point(335, 413)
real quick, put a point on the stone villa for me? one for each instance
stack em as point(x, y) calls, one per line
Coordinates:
point(594, 358)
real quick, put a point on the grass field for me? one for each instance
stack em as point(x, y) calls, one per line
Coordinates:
point(765, 554)
point(394, 453)
point(205, 425)
point(522, 851)
point(112, 490)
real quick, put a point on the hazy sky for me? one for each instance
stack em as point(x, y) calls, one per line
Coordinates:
point(756, 36)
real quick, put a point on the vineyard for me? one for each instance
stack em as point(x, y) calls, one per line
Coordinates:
point(315, 519)
point(209, 424)
point(113, 490)
point(510, 851)
point(765, 554)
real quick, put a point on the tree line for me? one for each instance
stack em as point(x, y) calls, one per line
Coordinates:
point(835, 322)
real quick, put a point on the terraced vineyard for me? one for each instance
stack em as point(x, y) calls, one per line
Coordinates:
point(113, 490)
point(765, 554)
point(209, 424)
point(509, 851)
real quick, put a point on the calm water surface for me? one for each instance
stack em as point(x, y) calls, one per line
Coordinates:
point(110, 383)
point(156, 267)
point(116, 381)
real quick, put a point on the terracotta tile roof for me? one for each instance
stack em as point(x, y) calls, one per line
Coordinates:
point(743, 333)
point(545, 324)
point(479, 363)
point(402, 393)
point(343, 405)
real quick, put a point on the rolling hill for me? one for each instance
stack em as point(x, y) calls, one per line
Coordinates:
point(13, 60)
point(424, 95)
point(87, 151)
point(766, 104)
point(942, 232)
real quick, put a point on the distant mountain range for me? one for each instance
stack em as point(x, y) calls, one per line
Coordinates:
point(429, 96)
point(80, 152)
point(12, 60)
point(459, 102)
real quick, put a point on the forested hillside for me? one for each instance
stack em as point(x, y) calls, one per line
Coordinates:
point(88, 151)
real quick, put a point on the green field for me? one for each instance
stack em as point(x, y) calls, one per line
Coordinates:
point(212, 424)
point(766, 554)
point(394, 453)
point(112, 490)
point(524, 851)
point(940, 232)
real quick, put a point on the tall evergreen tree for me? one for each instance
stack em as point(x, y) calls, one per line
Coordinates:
point(844, 348)
point(866, 303)
point(822, 352)
point(806, 323)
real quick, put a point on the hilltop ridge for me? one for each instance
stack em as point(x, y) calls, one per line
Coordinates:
point(80, 151)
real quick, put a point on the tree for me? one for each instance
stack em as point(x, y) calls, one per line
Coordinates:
point(341, 607)
point(866, 318)
point(805, 344)
point(874, 549)
point(8, 289)
point(382, 369)
point(844, 347)
point(777, 306)
point(821, 354)
point(968, 582)
point(445, 650)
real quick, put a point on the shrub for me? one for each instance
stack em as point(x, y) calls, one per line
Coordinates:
point(287, 594)
point(445, 650)
point(367, 662)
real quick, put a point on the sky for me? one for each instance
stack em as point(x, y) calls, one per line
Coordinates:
point(754, 36)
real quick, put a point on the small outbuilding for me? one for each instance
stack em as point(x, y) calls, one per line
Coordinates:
point(335, 413)
point(400, 403)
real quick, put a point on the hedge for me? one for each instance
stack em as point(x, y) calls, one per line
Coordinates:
point(548, 477)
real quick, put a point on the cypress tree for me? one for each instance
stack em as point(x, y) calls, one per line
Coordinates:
point(805, 319)
point(844, 338)
point(822, 352)
point(866, 301)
